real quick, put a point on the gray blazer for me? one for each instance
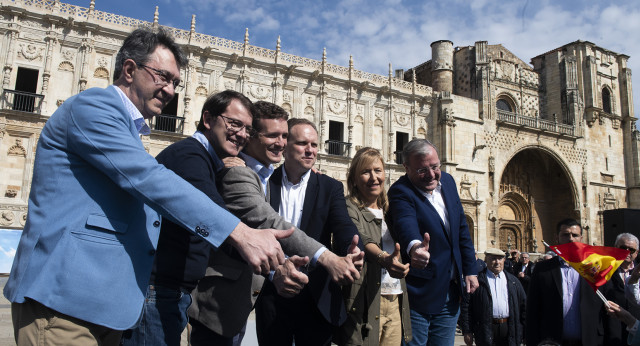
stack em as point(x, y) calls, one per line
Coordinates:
point(224, 298)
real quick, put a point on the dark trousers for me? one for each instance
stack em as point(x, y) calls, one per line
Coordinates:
point(500, 333)
point(281, 321)
point(201, 335)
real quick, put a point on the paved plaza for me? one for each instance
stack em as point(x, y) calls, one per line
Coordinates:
point(6, 329)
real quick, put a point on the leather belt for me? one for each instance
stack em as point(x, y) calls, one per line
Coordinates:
point(500, 320)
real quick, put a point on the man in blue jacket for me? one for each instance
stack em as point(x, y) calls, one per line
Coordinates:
point(84, 259)
point(427, 216)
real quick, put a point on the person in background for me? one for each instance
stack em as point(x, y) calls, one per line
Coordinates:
point(561, 306)
point(495, 313)
point(523, 270)
point(614, 290)
point(377, 304)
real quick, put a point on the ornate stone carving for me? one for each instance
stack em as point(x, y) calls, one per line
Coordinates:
point(30, 52)
point(402, 119)
point(492, 164)
point(23, 219)
point(68, 54)
point(59, 102)
point(309, 112)
point(465, 188)
point(102, 61)
point(336, 107)
point(11, 193)
point(101, 72)
point(260, 92)
point(6, 217)
point(201, 90)
point(447, 117)
point(65, 66)
point(287, 107)
point(17, 149)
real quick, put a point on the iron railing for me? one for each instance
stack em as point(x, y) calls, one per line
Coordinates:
point(535, 122)
point(22, 101)
point(167, 123)
point(337, 147)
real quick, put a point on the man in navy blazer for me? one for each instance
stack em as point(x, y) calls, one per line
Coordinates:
point(309, 317)
point(427, 216)
point(85, 255)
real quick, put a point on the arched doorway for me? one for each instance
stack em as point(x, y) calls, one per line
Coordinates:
point(535, 193)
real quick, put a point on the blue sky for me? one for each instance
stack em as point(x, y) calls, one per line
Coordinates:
point(8, 244)
point(379, 32)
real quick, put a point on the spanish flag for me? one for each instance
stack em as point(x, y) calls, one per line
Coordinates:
point(594, 263)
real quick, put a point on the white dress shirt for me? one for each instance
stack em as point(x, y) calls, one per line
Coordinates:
point(499, 294)
point(292, 202)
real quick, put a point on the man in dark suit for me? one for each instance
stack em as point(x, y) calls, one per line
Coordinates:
point(181, 258)
point(615, 289)
point(315, 203)
point(522, 270)
point(426, 214)
point(561, 306)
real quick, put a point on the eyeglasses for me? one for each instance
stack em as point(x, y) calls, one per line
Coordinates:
point(631, 250)
point(164, 78)
point(236, 126)
point(425, 170)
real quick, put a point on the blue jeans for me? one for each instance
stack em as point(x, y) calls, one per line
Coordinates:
point(436, 329)
point(164, 317)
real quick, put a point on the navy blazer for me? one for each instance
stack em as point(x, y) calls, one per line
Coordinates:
point(410, 216)
point(324, 214)
point(94, 214)
point(544, 307)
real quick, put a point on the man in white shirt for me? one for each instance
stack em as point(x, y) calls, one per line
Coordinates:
point(315, 203)
point(495, 313)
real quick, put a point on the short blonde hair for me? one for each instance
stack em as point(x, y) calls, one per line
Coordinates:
point(364, 157)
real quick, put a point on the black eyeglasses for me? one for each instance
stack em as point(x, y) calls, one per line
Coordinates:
point(236, 126)
point(164, 78)
point(631, 250)
point(425, 170)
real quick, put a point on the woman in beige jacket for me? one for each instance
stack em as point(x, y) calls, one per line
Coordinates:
point(377, 304)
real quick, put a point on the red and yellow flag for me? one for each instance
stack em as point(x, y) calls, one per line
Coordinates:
point(594, 263)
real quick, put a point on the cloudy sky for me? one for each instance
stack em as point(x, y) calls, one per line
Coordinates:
point(379, 32)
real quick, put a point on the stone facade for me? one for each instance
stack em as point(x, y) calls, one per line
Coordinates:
point(527, 144)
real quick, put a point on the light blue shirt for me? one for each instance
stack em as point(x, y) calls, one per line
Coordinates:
point(264, 172)
point(499, 294)
point(135, 114)
point(570, 302)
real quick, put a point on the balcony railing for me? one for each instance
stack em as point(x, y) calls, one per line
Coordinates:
point(337, 148)
point(537, 123)
point(22, 101)
point(167, 123)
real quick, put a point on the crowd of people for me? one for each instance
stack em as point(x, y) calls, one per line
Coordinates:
point(122, 248)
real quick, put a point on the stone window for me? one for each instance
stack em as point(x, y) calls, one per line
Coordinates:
point(503, 105)
point(606, 100)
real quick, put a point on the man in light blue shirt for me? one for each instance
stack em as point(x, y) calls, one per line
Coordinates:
point(561, 306)
point(495, 313)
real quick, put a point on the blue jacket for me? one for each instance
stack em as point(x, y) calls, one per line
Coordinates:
point(410, 216)
point(94, 214)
